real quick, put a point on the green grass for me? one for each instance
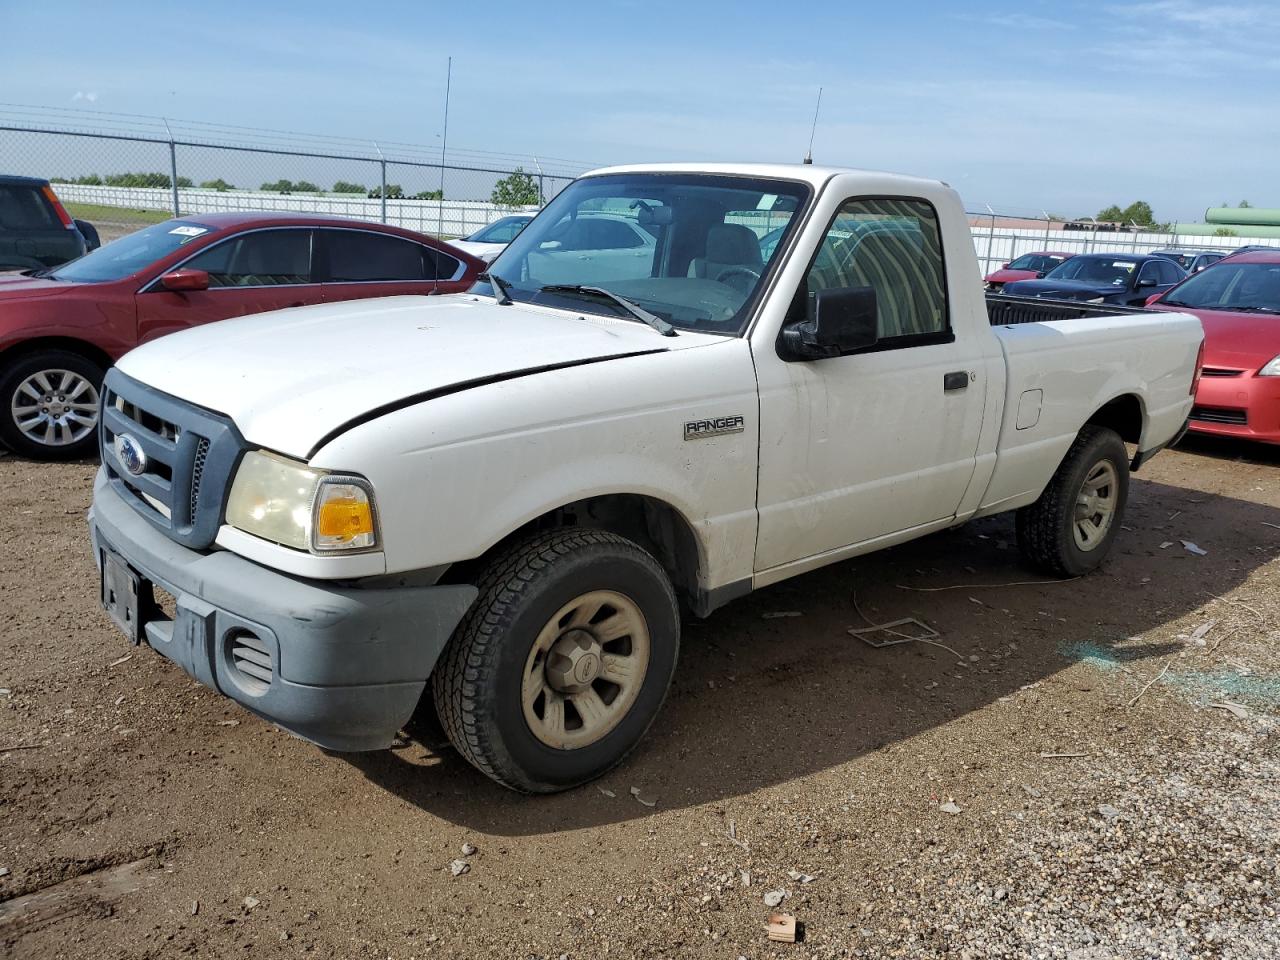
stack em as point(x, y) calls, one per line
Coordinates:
point(94, 212)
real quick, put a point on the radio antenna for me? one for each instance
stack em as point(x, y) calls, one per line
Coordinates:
point(808, 157)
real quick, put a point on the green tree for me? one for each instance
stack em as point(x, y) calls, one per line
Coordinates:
point(1110, 214)
point(517, 190)
point(1244, 205)
point(219, 184)
point(394, 192)
point(342, 186)
point(279, 186)
point(305, 186)
point(429, 195)
point(1225, 232)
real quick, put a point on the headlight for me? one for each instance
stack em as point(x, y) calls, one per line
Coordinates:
point(1271, 369)
point(290, 503)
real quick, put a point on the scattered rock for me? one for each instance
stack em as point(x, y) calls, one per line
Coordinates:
point(228, 723)
point(468, 849)
point(607, 793)
point(459, 867)
point(1235, 709)
point(1108, 812)
point(251, 902)
point(646, 800)
point(799, 877)
point(195, 907)
point(5, 871)
point(1032, 791)
point(950, 807)
point(1193, 549)
point(1000, 894)
point(774, 897)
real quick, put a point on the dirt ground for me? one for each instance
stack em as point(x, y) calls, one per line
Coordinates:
point(1055, 781)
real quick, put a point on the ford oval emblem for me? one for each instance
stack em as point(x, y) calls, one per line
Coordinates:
point(130, 454)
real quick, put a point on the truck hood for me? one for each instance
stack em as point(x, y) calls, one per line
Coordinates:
point(290, 378)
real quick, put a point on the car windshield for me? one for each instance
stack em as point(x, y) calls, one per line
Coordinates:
point(1035, 261)
point(686, 247)
point(1246, 287)
point(126, 256)
point(1100, 270)
point(500, 231)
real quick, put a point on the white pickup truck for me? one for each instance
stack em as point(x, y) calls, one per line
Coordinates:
point(678, 384)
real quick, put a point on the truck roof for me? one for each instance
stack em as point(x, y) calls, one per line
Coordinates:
point(805, 172)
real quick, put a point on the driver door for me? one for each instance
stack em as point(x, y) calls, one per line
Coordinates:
point(250, 272)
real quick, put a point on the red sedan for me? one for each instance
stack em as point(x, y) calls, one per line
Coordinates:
point(1029, 266)
point(1238, 303)
point(61, 328)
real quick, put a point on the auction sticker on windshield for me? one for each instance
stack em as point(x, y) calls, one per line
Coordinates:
point(189, 231)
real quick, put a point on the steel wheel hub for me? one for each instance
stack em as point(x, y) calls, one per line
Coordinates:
point(1096, 505)
point(585, 669)
point(55, 407)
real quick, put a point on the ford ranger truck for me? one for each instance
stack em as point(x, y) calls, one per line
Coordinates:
point(678, 384)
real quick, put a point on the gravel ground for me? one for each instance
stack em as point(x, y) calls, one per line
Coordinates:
point(1058, 783)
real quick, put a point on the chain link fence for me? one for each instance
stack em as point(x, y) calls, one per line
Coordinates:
point(143, 170)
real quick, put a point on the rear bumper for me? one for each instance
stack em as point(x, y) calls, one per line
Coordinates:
point(1247, 407)
point(346, 666)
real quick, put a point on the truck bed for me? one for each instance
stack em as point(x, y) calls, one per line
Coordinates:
point(1004, 310)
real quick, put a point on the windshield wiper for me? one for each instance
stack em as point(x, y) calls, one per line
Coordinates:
point(1252, 309)
point(1175, 303)
point(502, 286)
point(637, 311)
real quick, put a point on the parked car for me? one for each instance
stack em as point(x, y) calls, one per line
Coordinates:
point(487, 242)
point(1029, 266)
point(61, 328)
point(35, 229)
point(1192, 261)
point(1114, 278)
point(499, 496)
point(1238, 302)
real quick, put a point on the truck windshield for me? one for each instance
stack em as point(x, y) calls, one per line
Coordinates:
point(1244, 287)
point(692, 248)
point(126, 256)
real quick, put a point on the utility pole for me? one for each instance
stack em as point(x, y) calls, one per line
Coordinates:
point(444, 144)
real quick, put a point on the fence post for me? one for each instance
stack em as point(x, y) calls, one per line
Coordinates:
point(173, 167)
point(382, 192)
point(991, 235)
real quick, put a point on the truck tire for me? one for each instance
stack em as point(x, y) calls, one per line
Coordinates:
point(49, 405)
point(1070, 529)
point(562, 662)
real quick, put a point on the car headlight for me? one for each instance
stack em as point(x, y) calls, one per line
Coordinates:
point(1271, 368)
point(298, 506)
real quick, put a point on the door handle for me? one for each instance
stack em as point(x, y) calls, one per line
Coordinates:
point(956, 380)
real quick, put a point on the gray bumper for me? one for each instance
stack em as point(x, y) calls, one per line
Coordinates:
point(341, 667)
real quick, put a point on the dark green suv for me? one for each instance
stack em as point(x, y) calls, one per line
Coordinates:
point(35, 229)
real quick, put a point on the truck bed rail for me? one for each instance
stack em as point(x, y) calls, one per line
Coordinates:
point(1004, 310)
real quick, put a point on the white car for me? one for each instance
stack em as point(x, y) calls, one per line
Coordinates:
point(502, 499)
point(489, 241)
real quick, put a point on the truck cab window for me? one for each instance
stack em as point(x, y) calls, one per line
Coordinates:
point(893, 247)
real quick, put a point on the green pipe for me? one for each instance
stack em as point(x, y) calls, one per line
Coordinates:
point(1256, 216)
point(1244, 232)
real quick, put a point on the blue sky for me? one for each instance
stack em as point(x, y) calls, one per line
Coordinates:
point(1064, 106)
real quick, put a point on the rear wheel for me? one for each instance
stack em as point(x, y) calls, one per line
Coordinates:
point(49, 405)
point(563, 661)
point(1070, 529)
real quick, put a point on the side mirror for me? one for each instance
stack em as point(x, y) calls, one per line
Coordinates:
point(1152, 299)
point(1146, 282)
point(185, 279)
point(1006, 265)
point(1039, 274)
point(841, 320)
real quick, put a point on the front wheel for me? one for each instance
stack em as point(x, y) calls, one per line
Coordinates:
point(562, 662)
point(49, 405)
point(1070, 529)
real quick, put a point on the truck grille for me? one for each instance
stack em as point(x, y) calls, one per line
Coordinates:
point(1220, 415)
point(180, 458)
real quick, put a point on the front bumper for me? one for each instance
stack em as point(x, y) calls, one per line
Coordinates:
point(342, 667)
point(1245, 406)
